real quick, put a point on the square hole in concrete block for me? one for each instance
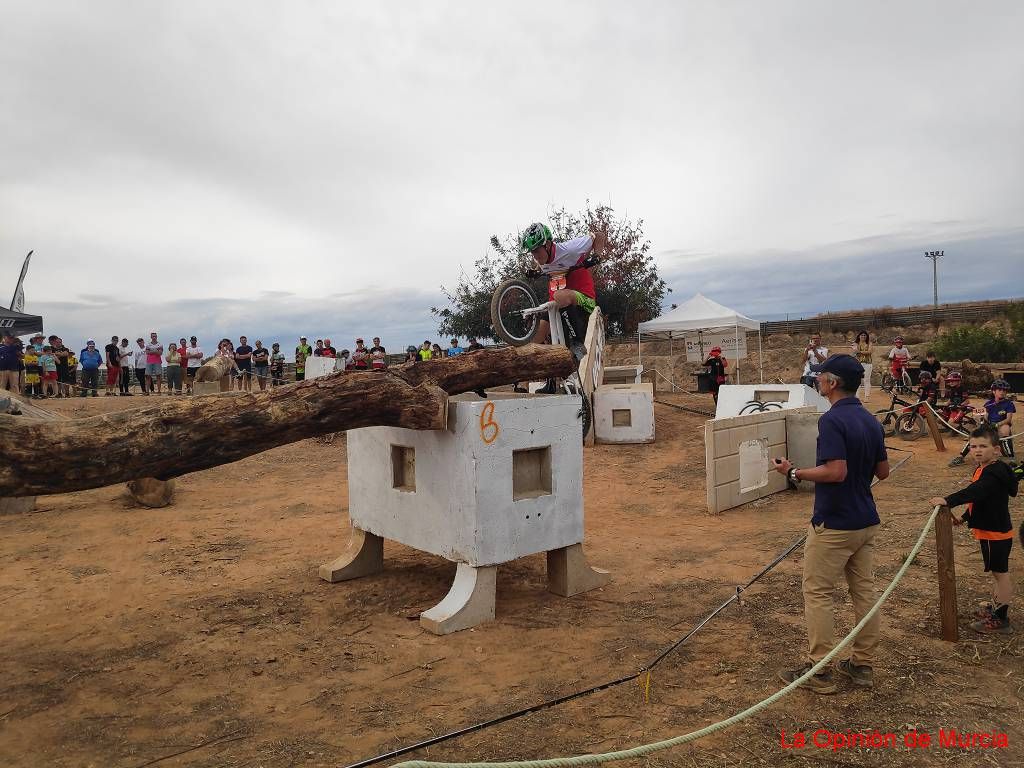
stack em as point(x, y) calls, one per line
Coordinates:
point(531, 473)
point(772, 395)
point(403, 468)
point(622, 417)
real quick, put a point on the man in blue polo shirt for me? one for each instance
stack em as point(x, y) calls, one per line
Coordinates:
point(850, 452)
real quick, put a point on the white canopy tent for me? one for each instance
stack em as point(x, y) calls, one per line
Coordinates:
point(698, 315)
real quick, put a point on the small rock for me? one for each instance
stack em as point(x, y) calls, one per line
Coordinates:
point(271, 659)
point(257, 671)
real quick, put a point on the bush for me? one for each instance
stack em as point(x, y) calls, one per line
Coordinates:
point(979, 344)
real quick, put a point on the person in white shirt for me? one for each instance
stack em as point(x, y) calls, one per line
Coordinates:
point(900, 356)
point(814, 354)
point(127, 361)
point(139, 360)
point(194, 353)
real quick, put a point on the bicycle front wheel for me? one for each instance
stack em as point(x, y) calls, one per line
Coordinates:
point(910, 426)
point(508, 301)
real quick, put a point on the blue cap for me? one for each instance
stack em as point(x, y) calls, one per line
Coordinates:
point(846, 367)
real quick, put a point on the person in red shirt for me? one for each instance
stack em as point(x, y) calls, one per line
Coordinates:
point(550, 257)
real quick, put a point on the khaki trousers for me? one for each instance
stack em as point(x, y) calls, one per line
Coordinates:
point(828, 554)
point(9, 380)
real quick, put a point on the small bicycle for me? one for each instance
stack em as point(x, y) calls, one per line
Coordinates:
point(515, 315)
point(902, 385)
point(904, 419)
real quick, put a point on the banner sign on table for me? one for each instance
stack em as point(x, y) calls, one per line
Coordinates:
point(725, 340)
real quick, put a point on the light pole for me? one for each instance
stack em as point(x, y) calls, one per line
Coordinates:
point(934, 256)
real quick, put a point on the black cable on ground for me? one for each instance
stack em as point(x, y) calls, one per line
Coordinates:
point(698, 411)
point(610, 683)
point(595, 689)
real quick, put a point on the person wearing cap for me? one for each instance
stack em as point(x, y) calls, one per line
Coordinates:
point(301, 353)
point(454, 349)
point(360, 356)
point(474, 345)
point(328, 350)
point(91, 360)
point(716, 365)
point(113, 360)
point(276, 365)
point(840, 539)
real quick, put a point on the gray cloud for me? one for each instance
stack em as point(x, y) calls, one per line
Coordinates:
point(157, 152)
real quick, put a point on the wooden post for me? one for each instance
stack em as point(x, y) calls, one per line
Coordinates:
point(947, 574)
point(933, 427)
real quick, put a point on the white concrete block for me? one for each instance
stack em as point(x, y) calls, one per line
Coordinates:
point(318, 366)
point(503, 481)
point(745, 399)
point(622, 374)
point(624, 413)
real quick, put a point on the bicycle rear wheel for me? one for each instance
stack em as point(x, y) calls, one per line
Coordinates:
point(508, 301)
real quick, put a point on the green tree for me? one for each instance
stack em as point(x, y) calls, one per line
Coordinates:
point(985, 345)
point(629, 289)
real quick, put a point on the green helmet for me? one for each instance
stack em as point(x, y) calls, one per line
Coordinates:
point(534, 236)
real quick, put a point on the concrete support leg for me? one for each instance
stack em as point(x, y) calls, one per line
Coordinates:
point(469, 602)
point(365, 555)
point(569, 573)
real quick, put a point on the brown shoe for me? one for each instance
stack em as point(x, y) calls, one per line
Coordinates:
point(860, 674)
point(821, 683)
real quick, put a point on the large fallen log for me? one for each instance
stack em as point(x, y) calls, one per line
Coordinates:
point(184, 435)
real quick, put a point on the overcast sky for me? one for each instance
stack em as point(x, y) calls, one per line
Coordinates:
point(323, 167)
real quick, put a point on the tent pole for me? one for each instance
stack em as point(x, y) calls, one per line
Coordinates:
point(760, 355)
point(736, 333)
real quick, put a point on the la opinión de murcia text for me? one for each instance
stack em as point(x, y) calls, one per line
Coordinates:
point(946, 738)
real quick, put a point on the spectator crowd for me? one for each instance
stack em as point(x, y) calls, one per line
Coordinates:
point(45, 367)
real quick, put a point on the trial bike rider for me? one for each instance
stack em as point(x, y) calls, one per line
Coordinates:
point(551, 257)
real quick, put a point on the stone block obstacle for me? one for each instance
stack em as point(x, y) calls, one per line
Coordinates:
point(624, 413)
point(502, 481)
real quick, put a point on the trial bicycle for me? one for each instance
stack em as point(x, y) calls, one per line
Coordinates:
point(516, 313)
point(902, 384)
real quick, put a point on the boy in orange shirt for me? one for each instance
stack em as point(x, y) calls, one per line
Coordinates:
point(988, 515)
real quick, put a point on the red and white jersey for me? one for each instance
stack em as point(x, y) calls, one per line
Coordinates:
point(569, 254)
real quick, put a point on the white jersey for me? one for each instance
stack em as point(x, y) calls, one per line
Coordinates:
point(899, 355)
point(569, 254)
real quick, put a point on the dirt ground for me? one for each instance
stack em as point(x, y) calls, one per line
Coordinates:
point(200, 635)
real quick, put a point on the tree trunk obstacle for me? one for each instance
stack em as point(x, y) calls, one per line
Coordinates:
point(186, 435)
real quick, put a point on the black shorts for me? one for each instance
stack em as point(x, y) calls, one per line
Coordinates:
point(245, 366)
point(996, 554)
point(191, 372)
